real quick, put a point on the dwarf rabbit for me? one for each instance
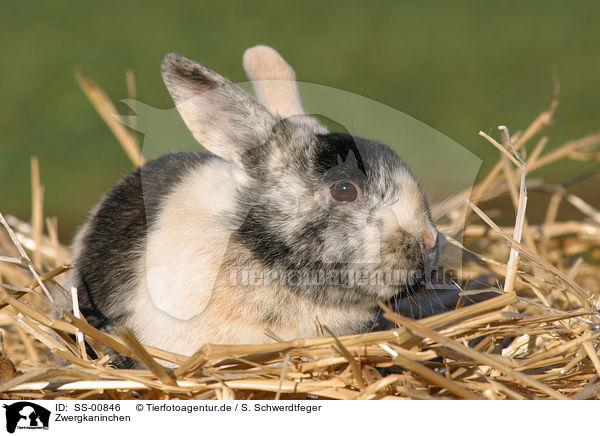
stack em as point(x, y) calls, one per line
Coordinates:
point(282, 225)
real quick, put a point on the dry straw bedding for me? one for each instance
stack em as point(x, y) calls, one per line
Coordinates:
point(536, 337)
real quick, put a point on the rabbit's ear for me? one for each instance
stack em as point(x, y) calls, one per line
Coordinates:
point(274, 82)
point(224, 118)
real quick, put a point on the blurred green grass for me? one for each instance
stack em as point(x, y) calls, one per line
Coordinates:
point(459, 67)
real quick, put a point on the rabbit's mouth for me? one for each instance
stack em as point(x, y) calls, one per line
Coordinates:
point(404, 258)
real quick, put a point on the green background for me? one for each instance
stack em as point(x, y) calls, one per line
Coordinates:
point(459, 67)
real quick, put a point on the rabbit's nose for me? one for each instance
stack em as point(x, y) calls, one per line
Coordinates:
point(429, 240)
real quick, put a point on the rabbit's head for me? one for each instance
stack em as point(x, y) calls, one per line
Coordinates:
point(343, 214)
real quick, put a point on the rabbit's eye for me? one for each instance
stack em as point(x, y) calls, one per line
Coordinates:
point(344, 192)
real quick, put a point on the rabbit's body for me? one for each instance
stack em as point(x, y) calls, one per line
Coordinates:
point(284, 228)
point(176, 233)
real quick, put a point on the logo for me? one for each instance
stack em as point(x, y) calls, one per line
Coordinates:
point(26, 415)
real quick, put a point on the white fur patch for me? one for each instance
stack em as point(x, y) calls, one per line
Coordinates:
point(407, 212)
point(186, 246)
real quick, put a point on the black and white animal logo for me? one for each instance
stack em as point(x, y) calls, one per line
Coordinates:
point(26, 415)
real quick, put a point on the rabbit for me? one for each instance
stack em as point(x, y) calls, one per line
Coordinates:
point(281, 226)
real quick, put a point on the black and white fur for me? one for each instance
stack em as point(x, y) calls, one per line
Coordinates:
point(159, 251)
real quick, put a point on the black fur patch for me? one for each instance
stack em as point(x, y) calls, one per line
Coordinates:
point(337, 145)
point(339, 156)
point(256, 233)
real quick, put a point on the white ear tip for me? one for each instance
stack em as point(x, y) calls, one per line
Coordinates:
point(265, 63)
